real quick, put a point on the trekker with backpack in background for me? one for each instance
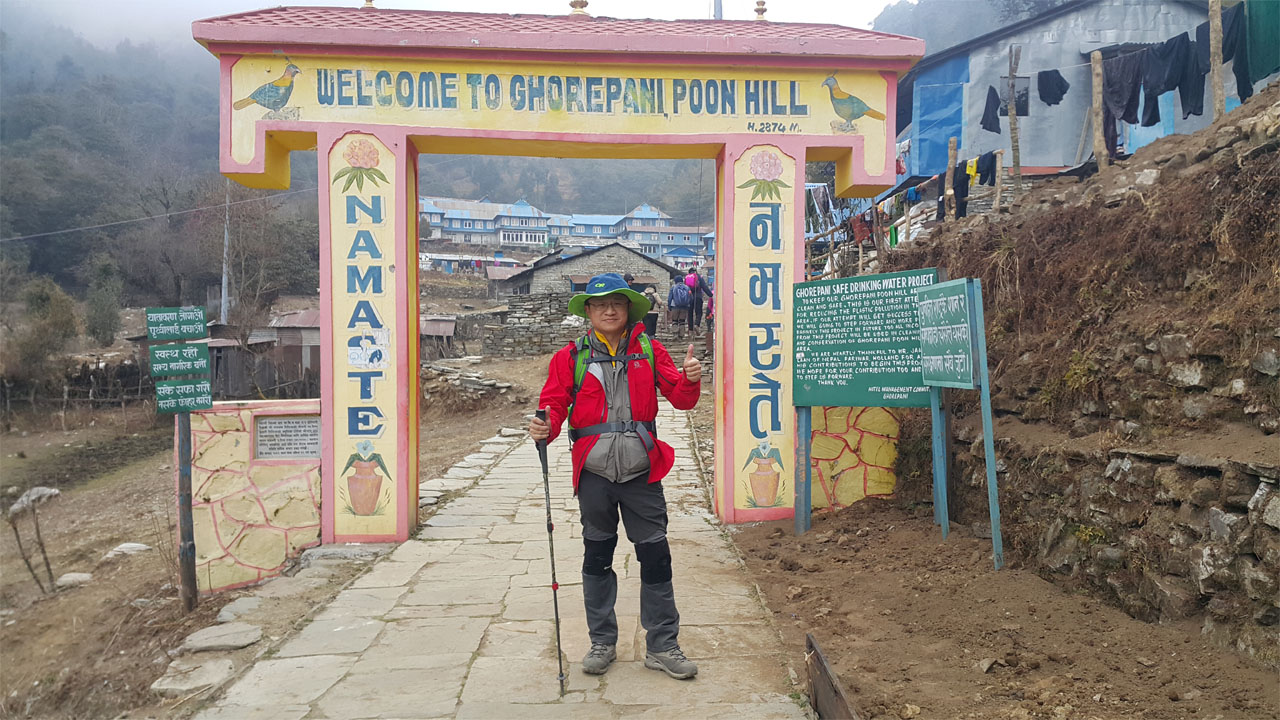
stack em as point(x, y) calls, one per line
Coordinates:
point(679, 305)
point(698, 287)
point(606, 385)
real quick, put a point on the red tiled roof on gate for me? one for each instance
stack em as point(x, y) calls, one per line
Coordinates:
point(413, 29)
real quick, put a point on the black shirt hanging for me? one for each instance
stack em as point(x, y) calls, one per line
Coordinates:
point(1235, 47)
point(1052, 86)
point(991, 113)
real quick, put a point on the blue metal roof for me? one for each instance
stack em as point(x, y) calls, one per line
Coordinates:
point(577, 219)
point(682, 252)
point(645, 210)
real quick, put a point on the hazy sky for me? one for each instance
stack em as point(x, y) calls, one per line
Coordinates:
point(169, 21)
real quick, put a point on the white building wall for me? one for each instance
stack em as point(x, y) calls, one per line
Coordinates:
point(1050, 135)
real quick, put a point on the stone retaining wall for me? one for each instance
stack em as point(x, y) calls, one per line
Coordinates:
point(1165, 536)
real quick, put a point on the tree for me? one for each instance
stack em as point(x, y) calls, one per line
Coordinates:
point(48, 324)
point(102, 311)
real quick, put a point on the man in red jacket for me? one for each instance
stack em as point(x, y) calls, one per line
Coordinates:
point(606, 384)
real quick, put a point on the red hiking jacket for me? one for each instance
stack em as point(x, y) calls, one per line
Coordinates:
point(557, 396)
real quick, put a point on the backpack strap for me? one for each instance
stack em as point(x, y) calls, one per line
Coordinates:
point(583, 358)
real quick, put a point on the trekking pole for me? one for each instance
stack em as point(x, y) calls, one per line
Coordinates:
point(541, 414)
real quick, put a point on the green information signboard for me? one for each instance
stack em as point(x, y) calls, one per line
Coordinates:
point(947, 334)
point(179, 359)
point(857, 341)
point(175, 323)
point(183, 395)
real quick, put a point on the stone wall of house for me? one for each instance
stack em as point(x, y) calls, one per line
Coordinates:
point(535, 324)
point(251, 514)
point(555, 279)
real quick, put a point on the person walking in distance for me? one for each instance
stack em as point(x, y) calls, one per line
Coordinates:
point(697, 286)
point(606, 385)
point(679, 302)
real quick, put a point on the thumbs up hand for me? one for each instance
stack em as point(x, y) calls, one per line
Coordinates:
point(691, 367)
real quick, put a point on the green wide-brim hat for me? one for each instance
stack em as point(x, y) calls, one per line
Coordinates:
point(610, 284)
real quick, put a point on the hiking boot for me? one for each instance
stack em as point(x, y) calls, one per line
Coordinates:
point(599, 658)
point(672, 662)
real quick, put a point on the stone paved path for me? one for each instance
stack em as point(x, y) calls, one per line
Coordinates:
point(458, 621)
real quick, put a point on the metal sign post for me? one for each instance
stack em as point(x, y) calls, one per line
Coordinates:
point(953, 354)
point(181, 397)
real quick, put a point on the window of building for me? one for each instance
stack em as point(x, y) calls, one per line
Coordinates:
point(578, 286)
point(598, 229)
point(671, 238)
point(466, 237)
point(1022, 94)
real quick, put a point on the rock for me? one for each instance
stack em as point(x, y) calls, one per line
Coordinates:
point(1148, 176)
point(1188, 374)
point(356, 552)
point(1204, 492)
point(1271, 513)
point(512, 432)
point(34, 496)
point(1174, 347)
point(1235, 388)
point(1225, 526)
point(188, 675)
point(73, 579)
point(909, 711)
point(238, 607)
point(227, 636)
point(129, 548)
point(985, 664)
point(427, 500)
point(1265, 362)
point(1198, 408)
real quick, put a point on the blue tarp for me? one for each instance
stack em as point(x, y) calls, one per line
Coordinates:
point(937, 114)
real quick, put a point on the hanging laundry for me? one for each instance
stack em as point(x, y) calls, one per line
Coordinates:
point(971, 169)
point(959, 186)
point(900, 166)
point(1264, 37)
point(1052, 86)
point(987, 168)
point(913, 195)
point(1191, 91)
point(1163, 68)
point(991, 113)
point(893, 235)
point(1235, 48)
point(1121, 81)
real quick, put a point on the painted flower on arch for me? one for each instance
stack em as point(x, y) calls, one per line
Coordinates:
point(362, 157)
point(766, 172)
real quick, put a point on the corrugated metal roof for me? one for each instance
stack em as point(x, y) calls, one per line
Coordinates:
point(403, 29)
point(439, 325)
point(577, 219)
point(297, 319)
point(502, 273)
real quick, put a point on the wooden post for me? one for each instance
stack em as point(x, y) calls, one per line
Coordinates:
point(906, 214)
point(1215, 58)
point(1095, 114)
point(948, 176)
point(995, 206)
point(862, 251)
point(1015, 54)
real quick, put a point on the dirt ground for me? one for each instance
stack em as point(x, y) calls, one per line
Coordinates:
point(908, 620)
point(93, 651)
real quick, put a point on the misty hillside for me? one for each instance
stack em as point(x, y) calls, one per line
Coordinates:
point(95, 138)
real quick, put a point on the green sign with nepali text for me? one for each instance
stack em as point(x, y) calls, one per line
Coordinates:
point(179, 359)
point(183, 395)
point(176, 323)
point(947, 334)
point(857, 341)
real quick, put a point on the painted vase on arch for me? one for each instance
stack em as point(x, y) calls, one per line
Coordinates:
point(364, 487)
point(764, 483)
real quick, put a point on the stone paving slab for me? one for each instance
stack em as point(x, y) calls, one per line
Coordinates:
point(458, 621)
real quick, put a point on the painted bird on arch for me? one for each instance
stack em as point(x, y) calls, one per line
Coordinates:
point(273, 95)
point(848, 107)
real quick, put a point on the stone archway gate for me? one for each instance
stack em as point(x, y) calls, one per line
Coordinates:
point(370, 89)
